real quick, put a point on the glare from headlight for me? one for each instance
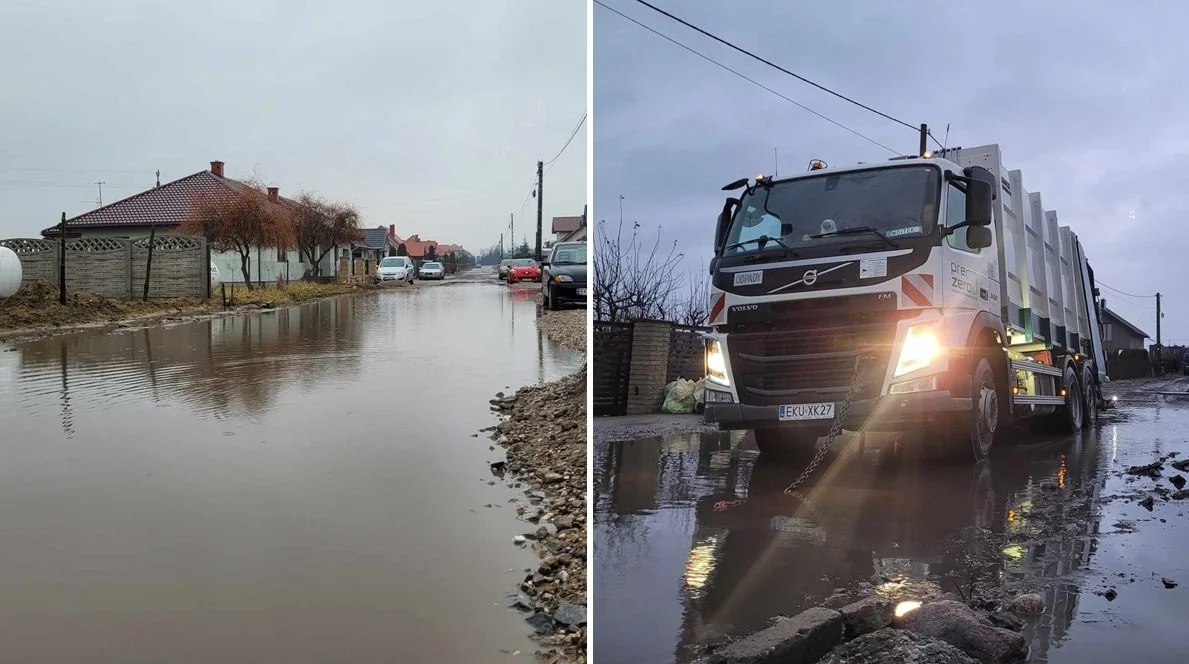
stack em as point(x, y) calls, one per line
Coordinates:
point(716, 364)
point(562, 278)
point(919, 350)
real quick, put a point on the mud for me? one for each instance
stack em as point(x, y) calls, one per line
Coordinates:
point(34, 312)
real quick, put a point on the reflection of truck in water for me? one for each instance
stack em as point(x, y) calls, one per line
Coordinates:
point(923, 292)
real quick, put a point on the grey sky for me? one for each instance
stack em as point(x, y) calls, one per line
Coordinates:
point(430, 116)
point(1089, 104)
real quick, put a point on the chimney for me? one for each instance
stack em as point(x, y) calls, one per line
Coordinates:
point(217, 168)
point(272, 194)
point(392, 230)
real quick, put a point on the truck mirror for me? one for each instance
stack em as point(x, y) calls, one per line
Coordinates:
point(979, 194)
point(978, 237)
point(724, 223)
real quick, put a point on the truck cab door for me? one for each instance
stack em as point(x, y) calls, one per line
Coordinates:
point(970, 281)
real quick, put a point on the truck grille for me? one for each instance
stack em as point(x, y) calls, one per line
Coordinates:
point(809, 358)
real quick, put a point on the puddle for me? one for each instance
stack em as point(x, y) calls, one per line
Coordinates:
point(293, 485)
point(1043, 513)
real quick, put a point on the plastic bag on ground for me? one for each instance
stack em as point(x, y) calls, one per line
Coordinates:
point(679, 397)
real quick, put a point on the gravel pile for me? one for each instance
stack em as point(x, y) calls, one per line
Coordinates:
point(567, 327)
point(543, 431)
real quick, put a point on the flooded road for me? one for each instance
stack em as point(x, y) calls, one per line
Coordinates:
point(1059, 515)
point(299, 485)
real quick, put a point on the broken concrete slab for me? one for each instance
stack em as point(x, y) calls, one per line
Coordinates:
point(866, 616)
point(803, 638)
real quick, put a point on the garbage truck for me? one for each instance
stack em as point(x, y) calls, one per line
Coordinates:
point(927, 293)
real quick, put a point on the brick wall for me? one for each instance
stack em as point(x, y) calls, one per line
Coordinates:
point(115, 267)
point(650, 364)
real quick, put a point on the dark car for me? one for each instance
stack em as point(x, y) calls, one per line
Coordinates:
point(563, 275)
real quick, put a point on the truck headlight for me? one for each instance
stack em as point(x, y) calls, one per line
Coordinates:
point(562, 278)
point(716, 364)
point(919, 350)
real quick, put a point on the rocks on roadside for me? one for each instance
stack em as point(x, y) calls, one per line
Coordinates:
point(1178, 481)
point(1150, 470)
point(1030, 604)
point(1148, 503)
point(896, 645)
point(1168, 583)
point(543, 433)
point(866, 616)
point(1182, 465)
point(962, 627)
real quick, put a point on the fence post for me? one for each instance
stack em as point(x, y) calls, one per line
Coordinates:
point(650, 365)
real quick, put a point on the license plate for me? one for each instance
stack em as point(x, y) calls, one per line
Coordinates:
point(714, 396)
point(582, 291)
point(806, 411)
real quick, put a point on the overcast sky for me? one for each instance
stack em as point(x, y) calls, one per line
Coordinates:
point(1090, 105)
point(427, 115)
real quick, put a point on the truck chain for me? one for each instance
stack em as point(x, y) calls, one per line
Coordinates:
point(858, 379)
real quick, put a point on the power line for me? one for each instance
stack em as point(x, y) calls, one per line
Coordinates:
point(1116, 290)
point(568, 140)
point(746, 78)
point(779, 68)
point(71, 170)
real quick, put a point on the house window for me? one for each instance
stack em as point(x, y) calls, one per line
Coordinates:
point(1107, 332)
point(282, 255)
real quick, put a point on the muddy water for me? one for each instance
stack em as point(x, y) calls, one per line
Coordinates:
point(300, 485)
point(1058, 515)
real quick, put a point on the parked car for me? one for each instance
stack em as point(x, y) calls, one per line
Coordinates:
point(395, 268)
point(431, 270)
point(504, 266)
point(563, 274)
point(524, 269)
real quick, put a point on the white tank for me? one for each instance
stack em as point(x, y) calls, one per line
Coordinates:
point(10, 272)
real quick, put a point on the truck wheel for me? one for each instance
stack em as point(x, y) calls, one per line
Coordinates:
point(1070, 418)
point(788, 444)
point(984, 414)
point(1090, 391)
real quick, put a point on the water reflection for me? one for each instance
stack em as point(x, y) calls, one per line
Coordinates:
point(297, 485)
point(879, 517)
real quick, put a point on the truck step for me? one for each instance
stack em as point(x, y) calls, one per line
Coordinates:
point(1035, 367)
point(1037, 400)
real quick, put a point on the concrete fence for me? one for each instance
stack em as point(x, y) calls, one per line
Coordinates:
point(115, 267)
point(634, 361)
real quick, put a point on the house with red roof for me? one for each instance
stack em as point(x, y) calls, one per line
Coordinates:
point(165, 207)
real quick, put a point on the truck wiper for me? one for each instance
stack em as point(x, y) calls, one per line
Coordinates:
point(856, 230)
point(762, 240)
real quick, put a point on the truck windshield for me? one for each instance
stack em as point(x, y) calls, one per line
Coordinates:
point(860, 206)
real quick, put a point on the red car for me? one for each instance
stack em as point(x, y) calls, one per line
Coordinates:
point(524, 269)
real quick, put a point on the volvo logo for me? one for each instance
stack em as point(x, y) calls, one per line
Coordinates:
point(809, 278)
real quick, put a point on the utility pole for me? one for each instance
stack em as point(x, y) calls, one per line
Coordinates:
point(501, 246)
point(99, 203)
point(62, 260)
point(1159, 348)
point(511, 231)
point(540, 207)
point(621, 209)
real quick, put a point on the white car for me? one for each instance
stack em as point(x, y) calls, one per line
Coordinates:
point(395, 268)
point(432, 270)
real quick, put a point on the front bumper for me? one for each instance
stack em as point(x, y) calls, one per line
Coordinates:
point(568, 292)
point(895, 412)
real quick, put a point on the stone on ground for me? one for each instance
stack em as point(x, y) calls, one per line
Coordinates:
point(896, 646)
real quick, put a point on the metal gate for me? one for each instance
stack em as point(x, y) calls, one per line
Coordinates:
point(612, 367)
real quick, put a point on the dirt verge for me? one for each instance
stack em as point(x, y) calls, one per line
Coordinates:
point(35, 312)
point(543, 433)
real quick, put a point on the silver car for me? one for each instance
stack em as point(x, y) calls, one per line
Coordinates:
point(395, 268)
point(431, 270)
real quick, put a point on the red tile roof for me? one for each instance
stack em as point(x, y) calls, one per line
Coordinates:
point(164, 206)
point(566, 224)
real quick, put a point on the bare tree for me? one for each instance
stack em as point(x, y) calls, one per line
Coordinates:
point(239, 221)
point(634, 281)
point(320, 226)
point(695, 308)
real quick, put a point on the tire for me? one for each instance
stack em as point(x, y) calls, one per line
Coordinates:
point(969, 436)
point(788, 444)
point(1090, 404)
point(550, 301)
point(1070, 417)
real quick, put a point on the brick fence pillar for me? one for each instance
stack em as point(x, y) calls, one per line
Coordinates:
point(650, 364)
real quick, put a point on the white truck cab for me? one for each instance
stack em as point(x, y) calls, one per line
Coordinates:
point(927, 292)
